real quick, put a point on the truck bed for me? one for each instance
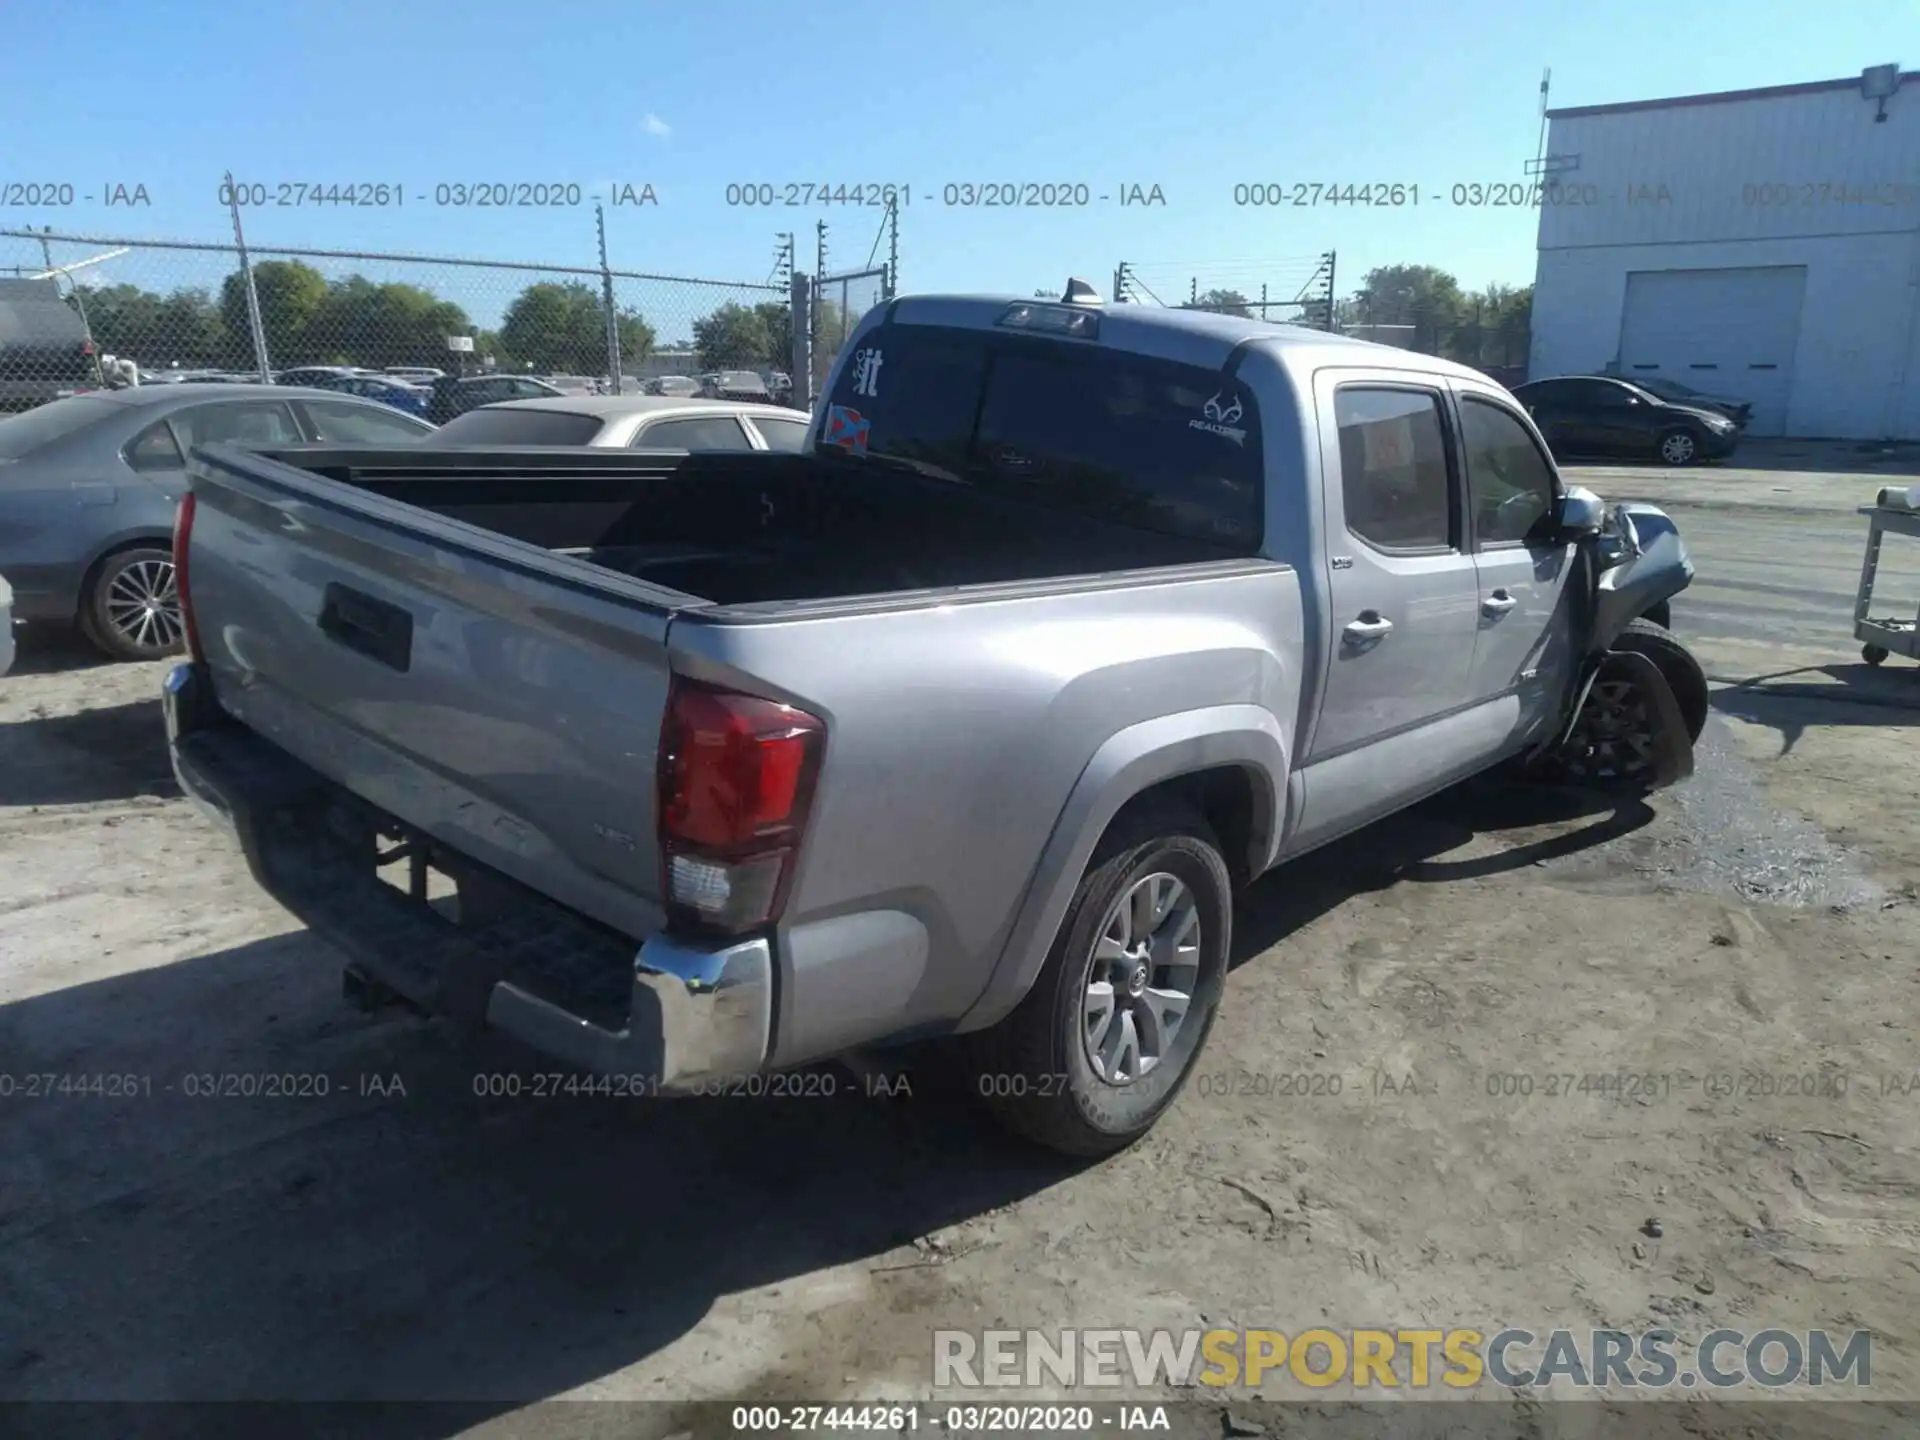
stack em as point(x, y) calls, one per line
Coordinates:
point(752, 529)
point(476, 644)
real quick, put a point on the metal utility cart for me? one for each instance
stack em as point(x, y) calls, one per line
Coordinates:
point(1887, 635)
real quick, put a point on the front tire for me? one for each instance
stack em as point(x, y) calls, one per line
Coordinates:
point(1679, 446)
point(1677, 664)
point(131, 609)
point(1103, 1042)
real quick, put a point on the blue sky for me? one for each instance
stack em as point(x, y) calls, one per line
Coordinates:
point(690, 96)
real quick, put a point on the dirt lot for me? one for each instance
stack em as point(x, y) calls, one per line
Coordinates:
point(400, 1237)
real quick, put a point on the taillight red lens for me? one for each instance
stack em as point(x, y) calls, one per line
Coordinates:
point(182, 543)
point(736, 778)
point(732, 766)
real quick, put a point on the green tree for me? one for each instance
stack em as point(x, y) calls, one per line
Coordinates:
point(290, 294)
point(361, 323)
point(732, 338)
point(1223, 302)
point(1422, 296)
point(155, 330)
point(777, 317)
point(562, 329)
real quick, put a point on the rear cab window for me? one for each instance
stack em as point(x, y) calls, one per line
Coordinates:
point(1102, 433)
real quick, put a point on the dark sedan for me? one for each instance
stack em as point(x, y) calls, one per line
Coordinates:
point(1585, 415)
point(397, 393)
point(88, 487)
point(1738, 411)
point(453, 395)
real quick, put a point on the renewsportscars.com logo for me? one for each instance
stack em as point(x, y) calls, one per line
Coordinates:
point(1384, 1360)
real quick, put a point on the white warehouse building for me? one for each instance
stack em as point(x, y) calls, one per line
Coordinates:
point(1762, 245)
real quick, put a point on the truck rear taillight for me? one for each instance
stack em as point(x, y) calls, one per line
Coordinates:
point(737, 775)
point(182, 542)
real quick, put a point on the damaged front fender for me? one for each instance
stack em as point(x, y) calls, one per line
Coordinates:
point(1644, 562)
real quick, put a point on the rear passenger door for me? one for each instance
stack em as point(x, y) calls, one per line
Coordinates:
point(1403, 597)
point(1522, 651)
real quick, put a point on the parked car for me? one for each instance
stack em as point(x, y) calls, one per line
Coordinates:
point(410, 398)
point(635, 422)
point(6, 626)
point(1738, 411)
point(414, 374)
point(734, 385)
point(313, 374)
point(1593, 415)
point(679, 386)
point(88, 487)
point(45, 352)
point(741, 761)
point(453, 395)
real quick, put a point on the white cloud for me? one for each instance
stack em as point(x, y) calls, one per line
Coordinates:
point(655, 126)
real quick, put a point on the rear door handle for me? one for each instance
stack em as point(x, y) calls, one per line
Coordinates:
point(1370, 625)
point(1498, 603)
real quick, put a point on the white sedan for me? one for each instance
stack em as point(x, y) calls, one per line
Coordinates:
point(633, 422)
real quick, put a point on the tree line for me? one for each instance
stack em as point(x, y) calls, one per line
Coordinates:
point(1490, 329)
point(549, 327)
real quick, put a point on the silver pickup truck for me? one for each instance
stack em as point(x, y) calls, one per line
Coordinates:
point(965, 722)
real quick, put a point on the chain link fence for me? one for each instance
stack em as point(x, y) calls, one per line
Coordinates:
point(840, 302)
point(179, 311)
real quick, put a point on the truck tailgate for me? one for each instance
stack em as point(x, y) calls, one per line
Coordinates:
point(502, 699)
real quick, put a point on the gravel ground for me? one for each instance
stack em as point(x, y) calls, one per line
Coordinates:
point(401, 1237)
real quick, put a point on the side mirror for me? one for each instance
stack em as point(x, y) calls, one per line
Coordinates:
point(1580, 514)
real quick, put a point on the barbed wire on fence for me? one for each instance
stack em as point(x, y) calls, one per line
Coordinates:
point(1295, 290)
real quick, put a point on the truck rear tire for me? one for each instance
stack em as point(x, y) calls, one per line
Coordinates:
point(1104, 1040)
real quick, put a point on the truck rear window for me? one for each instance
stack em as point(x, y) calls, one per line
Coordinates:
point(1103, 433)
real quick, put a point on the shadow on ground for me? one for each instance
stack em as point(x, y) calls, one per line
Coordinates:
point(1794, 701)
point(1406, 847)
point(436, 1245)
point(112, 753)
point(479, 1252)
point(52, 650)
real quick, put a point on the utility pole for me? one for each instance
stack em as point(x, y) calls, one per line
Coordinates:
point(893, 246)
point(614, 366)
point(246, 275)
point(1540, 146)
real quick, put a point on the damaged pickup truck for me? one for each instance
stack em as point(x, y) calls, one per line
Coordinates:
point(965, 722)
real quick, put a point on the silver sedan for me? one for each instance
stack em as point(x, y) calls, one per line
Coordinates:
point(88, 487)
point(634, 422)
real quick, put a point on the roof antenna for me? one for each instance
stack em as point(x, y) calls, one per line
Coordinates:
point(1079, 292)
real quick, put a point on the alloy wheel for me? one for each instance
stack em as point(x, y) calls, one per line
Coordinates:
point(143, 605)
point(1141, 978)
point(1614, 736)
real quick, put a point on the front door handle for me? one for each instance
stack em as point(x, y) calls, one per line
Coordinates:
point(1370, 625)
point(1498, 603)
